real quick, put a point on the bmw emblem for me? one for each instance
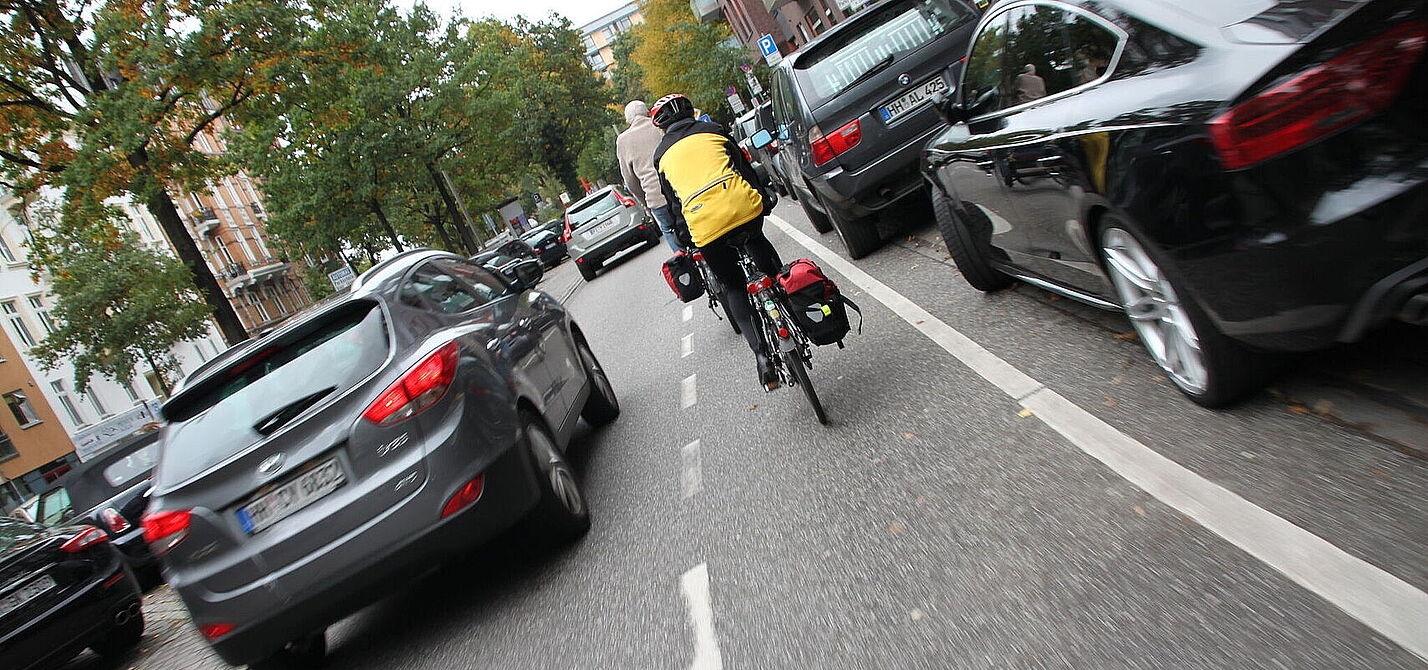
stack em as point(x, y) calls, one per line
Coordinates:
point(903, 79)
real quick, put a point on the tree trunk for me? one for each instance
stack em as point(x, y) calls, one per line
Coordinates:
point(159, 375)
point(462, 229)
point(435, 222)
point(386, 225)
point(162, 207)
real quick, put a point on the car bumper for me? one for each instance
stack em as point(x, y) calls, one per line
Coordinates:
point(855, 194)
point(349, 576)
point(643, 233)
point(79, 621)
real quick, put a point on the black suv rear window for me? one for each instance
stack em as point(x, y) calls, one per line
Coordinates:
point(890, 30)
point(268, 386)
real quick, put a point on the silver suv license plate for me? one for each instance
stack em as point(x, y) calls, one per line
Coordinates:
point(283, 501)
point(912, 99)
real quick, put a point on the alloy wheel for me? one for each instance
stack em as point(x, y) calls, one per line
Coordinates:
point(597, 375)
point(562, 479)
point(1157, 314)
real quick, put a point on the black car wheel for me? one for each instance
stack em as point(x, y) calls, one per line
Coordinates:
point(969, 243)
point(586, 271)
point(305, 652)
point(561, 512)
point(602, 406)
point(123, 637)
point(1211, 369)
point(818, 219)
point(860, 236)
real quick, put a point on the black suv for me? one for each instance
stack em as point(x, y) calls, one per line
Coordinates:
point(852, 108)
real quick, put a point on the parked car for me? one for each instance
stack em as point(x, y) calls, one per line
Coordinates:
point(368, 439)
point(109, 491)
point(63, 588)
point(547, 245)
point(603, 224)
point(1235, 181)
point(852, 113)
point(744, 127)
point(512, 268)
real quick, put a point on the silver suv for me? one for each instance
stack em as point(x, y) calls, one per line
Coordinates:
point(603, 224)
point(309, 472)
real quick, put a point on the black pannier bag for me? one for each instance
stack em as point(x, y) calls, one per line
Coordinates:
point(683, 277)
point(815, 301)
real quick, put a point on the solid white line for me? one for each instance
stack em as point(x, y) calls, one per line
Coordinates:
point(686, 345)
point(691, 474)
point(1375, 597)
point(688, 312)
point(688, 394)
point(695, 584)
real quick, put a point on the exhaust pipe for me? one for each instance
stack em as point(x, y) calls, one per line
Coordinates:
point(128, 613)
point(1415, 310)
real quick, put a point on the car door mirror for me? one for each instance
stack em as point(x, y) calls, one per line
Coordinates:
point(761, 139)
point(526, 274)
point(951, 112)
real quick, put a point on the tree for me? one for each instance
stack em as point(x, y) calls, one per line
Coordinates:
point(680, 55)
point(627, 81)
point(119, 304)
point(597, 159)
point(106, 101)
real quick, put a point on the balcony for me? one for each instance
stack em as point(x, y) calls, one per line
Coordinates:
point(707, 11)
point(257, 209)
point(205, 221)
point(239, 276)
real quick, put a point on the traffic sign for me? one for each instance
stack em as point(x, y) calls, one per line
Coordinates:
point(768, 46)
point(754, 84)
point(745, 67)
point(737, 103)
point(730, 90)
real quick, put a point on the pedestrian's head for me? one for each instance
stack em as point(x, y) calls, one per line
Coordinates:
point(1029, 69)
point(635, 109)
point(671, 108)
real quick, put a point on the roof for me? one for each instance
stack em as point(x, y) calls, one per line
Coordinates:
point(616, 15)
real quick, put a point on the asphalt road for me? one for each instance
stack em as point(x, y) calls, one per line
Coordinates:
point(939, 522)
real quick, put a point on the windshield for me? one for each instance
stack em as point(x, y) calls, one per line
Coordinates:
point(895, 29)
point(227, 412)
point(583, 214)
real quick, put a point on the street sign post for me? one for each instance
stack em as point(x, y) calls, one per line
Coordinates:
point(769, 48)
point(754, 86)
point(737, 103)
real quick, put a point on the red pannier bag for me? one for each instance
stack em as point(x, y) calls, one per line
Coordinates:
point(820, 309)
point(683, 277)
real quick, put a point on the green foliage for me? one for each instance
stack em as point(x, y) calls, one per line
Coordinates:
point(597, 159)
point(119, 304)
point(680, 55)
point(627, 81)
point(315, 279)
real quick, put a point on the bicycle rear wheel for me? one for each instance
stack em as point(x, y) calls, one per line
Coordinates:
point(794, 363)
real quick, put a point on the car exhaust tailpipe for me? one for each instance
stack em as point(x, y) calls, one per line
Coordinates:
point(1415, 310)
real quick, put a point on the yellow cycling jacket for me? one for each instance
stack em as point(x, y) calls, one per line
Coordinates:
point(707, 180)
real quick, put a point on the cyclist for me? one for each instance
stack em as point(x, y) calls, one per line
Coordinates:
point(718, 203)
point(635, 148)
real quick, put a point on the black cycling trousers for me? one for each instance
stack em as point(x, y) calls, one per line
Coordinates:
point(723, 260)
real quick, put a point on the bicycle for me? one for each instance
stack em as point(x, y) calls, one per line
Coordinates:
point(713, 289)
point(783, 341)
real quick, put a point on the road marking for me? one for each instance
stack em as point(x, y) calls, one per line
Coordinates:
point(688, 312)
point(695, 584)
point(686, 345)
point(1370, 594)
point(688, 394)
point(691, 475)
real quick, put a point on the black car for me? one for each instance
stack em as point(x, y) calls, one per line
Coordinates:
point(547, 245)
point(362, 443)
point(63, 589)
point(1241, 178)
point(512, 268)
point(852, 113)
point(109, 491)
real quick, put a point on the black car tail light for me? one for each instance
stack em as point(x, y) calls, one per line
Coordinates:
point(87, 537)
point(116, 521)
point(165, 529)
point(825, 148)
point(1321, 100)
point(417, 390)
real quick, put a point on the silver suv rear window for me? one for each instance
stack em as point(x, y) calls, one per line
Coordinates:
point(583, 215)
point(270, 384)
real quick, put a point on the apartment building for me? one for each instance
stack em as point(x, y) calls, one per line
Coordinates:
point(791, 23)
point(598, 35)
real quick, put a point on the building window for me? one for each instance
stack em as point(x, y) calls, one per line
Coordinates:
point(596, 60)
point(20, 407)
point(129, 391)
point(67, 402)
point(42, 314)
point(17, 321)
point(7, 448)
point(5, 252)
point(588, 42)
point(154, 385)
point(98, 406)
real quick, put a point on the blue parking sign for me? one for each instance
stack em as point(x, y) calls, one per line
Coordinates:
point(767, 45)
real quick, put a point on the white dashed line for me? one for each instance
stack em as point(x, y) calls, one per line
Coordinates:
point(686, 345)
point(1380, 600)
point(688, 312)
point(691, 474)
point(688, 394)
point(695, 584)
